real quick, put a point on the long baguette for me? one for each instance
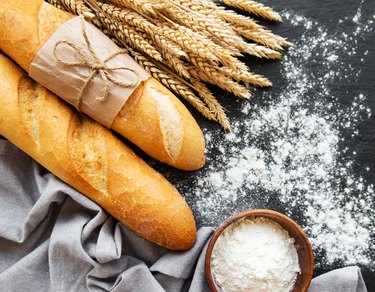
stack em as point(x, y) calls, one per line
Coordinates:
point(90, 158)
point(152, 118)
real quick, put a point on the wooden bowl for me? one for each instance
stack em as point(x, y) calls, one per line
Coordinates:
point(302, 243)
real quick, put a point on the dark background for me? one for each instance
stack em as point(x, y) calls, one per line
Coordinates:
point(328, 14)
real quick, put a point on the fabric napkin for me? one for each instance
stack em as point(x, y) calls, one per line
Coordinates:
point(52, 238)
point(347, 279)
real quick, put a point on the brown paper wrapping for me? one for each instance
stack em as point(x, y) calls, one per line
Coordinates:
point(68, 81)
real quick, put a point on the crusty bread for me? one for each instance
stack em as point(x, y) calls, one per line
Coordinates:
point(92, 160)
point(152, 118)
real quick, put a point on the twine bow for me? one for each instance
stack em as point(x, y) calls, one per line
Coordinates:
point(97, 67)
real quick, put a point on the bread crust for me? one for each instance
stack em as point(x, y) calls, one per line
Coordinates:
point(143, 124)
point(92, 160)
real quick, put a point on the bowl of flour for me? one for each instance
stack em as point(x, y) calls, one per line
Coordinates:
point(259, 250)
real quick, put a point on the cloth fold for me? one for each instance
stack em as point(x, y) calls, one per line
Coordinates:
point(52, 238)
point(348, 279)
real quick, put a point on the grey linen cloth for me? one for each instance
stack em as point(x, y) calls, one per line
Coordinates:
point(347, 279)
point(52, 238)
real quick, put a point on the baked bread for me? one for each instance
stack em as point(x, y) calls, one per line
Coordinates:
point(91, 159)
point(152, 118)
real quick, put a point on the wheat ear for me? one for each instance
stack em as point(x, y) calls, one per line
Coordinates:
point(200, 24)
point(56, 3)
point(212, 103)
point(255, 8)
point(125, 33)
point(189, 43)
point(141, 6)
point(207, 73)
point(78, 7)
point(174, 84)
point(124, 15)
point(195, 39)
point(247, 77)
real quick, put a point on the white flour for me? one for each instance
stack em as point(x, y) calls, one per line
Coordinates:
point(255, 254)
point(294, 152)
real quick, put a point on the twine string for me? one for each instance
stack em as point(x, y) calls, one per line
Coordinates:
point(98, 67)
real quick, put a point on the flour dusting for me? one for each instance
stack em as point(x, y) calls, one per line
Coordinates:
point(289, 150)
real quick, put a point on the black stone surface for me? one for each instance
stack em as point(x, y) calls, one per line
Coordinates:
point(327, 13)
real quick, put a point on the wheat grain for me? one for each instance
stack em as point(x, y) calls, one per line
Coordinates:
point(188, 41)
point(129, 36)
point(207, 11)
point(141, 6)
point(245, 76)
point(249, 28)
point(207, 73)
point(264, 37)
point(222, 36)
point(254, 8)
point(56, 3)
point(200, 24)
point(238, 19)
point(78, 7)
point(137, 21)
point(260, 36)
point(261, 51)
point(176, 65)
point(256, 32)
point(212, 103)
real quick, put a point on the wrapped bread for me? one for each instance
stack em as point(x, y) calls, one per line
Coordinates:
point(152, 117)
point(91, 159)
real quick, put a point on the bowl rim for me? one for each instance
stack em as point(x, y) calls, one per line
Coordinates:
point(260, 213)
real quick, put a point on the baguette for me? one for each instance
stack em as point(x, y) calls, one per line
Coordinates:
point(91, 159)
point(152, 118)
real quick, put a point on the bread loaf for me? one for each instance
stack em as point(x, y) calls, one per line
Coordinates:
point(152, 118)
point(90, 158)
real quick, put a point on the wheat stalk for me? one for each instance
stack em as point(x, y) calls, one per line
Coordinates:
point(256, 32)
point(129, 36)
point(260, 36)
point(56, 3)
point(179, 88)
point(199, 24)
point(185, 39)
point(260, 51)
point(238, 19)
point(207, 11)
point(206, 48)
point(221, 37)
point(124, 15)
point(212, 111)
point(208, 74)
point(183, 43)
point(141, 6)
point(254, 8)
point(212, 103)
point(77, 7)
point(246, 77)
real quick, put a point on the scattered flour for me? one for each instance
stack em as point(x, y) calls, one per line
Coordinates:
point(332, 58)
point(288, 150)
point(255, 254)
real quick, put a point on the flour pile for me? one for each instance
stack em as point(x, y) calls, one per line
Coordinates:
point(255, 254)
point(288, 153)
